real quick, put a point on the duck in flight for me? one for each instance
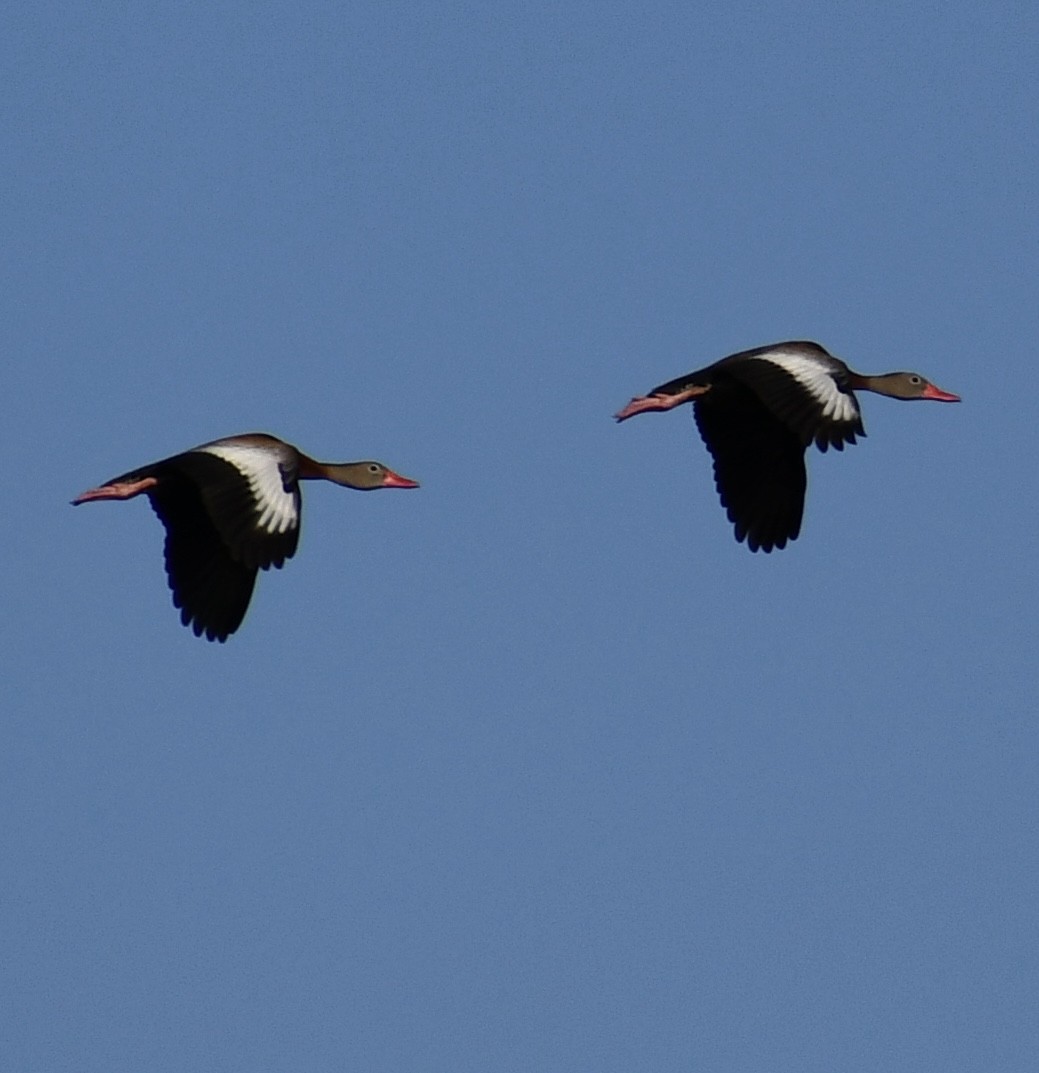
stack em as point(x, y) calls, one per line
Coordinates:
point(230, 509)
point(759, 410)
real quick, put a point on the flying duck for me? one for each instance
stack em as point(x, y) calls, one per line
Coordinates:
point(758, 411)
point(231, 508)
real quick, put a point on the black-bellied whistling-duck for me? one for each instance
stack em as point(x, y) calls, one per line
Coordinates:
point(231, 508)
point(758, 411)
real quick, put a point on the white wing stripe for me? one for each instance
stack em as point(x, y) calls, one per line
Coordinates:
point(817, 381)
point(276, 508)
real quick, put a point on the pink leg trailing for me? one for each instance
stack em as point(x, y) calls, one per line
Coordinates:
point(641, 403)
point(123, 490)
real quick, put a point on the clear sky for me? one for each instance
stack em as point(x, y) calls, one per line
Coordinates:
point(534, 769)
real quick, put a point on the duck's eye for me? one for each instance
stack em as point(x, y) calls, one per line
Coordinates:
point(373, 468)
point(916, 379)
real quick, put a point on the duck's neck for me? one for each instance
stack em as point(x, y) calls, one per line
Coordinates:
point(344, 473)
point(880, 384)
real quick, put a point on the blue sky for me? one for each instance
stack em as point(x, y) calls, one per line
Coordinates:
point(535, 768)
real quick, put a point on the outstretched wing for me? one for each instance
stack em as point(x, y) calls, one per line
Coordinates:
point(252, 497)
point(210, 586)
point(805, 388)
point(759, 468)
point(223, 524)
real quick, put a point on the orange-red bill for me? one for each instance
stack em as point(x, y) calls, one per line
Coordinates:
point(936, 393)
point(395, 480)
